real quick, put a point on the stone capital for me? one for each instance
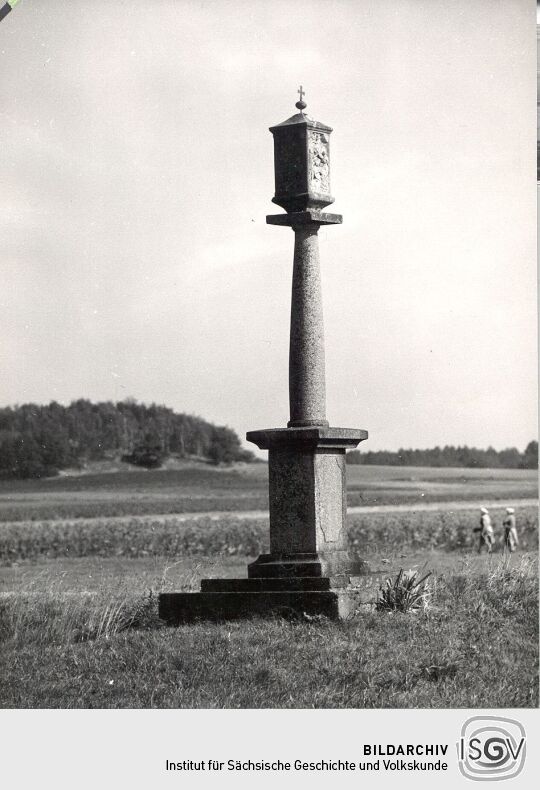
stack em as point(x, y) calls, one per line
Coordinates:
point(312, 437)
point(301, 218)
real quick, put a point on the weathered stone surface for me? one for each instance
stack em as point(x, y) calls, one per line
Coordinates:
point(337, 565)
point(277, 584)
point(302, 163)
point(339, 604)
point(298, 218)
point(307, 392)
point(292, 515)
point(307, 500)
point(311, 436)
point(330, 504)
point(230, 599)
point(307, 486)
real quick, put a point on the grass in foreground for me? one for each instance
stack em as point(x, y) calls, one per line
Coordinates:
point(474, 646)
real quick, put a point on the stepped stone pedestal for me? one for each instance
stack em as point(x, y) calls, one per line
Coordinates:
point(308, 569)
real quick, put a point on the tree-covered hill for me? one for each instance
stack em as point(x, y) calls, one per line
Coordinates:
point(38, 441)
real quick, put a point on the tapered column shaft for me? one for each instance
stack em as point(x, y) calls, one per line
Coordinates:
point(307, 389)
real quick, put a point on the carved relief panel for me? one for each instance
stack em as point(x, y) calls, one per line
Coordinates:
point(319, 162)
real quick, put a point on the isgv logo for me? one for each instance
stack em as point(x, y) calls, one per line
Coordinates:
point(491, 748)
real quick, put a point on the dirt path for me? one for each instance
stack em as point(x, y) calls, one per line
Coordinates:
point(406, 508)
point(446, 506)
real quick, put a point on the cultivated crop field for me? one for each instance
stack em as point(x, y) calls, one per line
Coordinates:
point(83, 559)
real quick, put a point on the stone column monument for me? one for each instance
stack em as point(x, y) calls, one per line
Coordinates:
point(308, 569)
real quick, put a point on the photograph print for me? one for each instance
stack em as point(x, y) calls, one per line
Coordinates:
point(268, 418)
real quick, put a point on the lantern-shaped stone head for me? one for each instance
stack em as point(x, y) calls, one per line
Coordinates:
point(302, 163)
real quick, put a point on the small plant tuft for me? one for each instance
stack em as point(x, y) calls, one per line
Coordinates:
point(407, 592)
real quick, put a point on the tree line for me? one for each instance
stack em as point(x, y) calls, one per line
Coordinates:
point(39, 441)
point(469, 457)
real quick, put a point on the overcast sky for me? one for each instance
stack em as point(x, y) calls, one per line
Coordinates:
point(137, 170)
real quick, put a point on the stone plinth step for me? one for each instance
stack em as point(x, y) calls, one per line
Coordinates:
point(337, 565)
point(176, 608)
point(237, 599)
point(279, 584)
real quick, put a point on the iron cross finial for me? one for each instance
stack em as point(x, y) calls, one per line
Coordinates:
point(301, 104)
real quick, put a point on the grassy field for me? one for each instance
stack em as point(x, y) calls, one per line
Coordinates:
point(196, 488)
point(474, 646)
point(83, 559)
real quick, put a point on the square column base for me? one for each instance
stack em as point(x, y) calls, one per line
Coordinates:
point(235, 599)
point(308, 570)
point(307, 492)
